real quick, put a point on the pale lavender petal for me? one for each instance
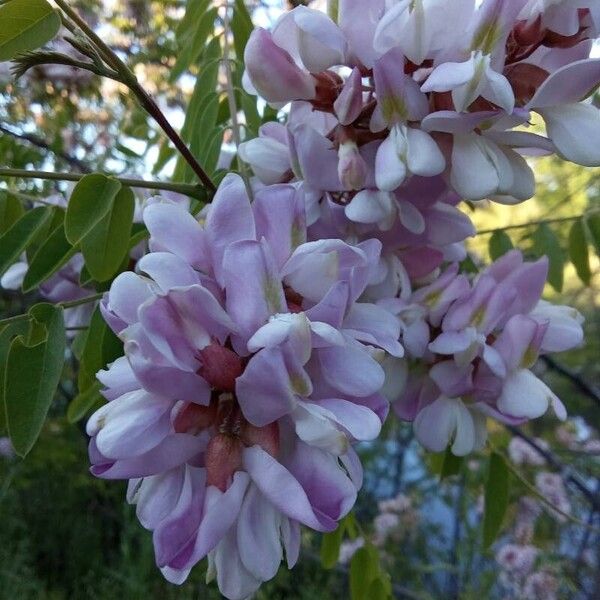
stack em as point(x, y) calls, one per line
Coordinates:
point(351, 370)
point(264, 390)
point(175, 230)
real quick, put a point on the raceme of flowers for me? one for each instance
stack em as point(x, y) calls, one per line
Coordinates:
point(267, 336)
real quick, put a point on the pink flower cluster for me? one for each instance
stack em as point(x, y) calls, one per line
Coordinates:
point(425, 88)
point(250, 366)
point(264, 338)
point(471, 346)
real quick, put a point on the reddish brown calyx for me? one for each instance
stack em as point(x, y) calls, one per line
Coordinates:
point(328, 86)
point(220, 367)
point(525, 79)
point(293, 300)
point(223, 455)
point(266, 437)
point(524, 34)
point(193, 418)
point(223, 458)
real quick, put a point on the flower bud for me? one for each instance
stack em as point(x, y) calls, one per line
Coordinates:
point(349, 103)
point(273, 72)
point(220, 367)
point(193, 418)
point(266, 437)
point(223, 458)
point(352, 168)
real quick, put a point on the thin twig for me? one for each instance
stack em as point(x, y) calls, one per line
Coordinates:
point(194, 191)
point(570, 477)
point(34, 140)
point(533, 223)
point(233, 109)
point(127, 77)
point(586, 387)
point(70, 304)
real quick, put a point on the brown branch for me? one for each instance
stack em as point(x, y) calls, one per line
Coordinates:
point(589, 389)
point(126, 76)
point(39, 142)
point(568, 475)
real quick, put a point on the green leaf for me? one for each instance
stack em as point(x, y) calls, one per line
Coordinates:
point(435, 462)
point(468, 266)
point(269, 114)
point(330, 547)
point(165, 154)
point(500, 243)
point(451, 465)
point(364, 568)
point(139, 233)
point(7, 334)
point(33, 372)
point(19, 236)
point(593, 225)
point(11, 210)
point(250, 108)
point(84, 402)
point(241, 27)
point(194, 11)
point(26, 25)
point(91, 200)
point(204, 90)
point(496, 498)
point(546, 243)
point(210, 159)
point(378, 590)
point(200, 145)
point(191, 47)
point(579, 253)
point(333, 10)
point(78, 343)
point(42, 234)
point(50, 257)
point(102, 346)
point(105, 247)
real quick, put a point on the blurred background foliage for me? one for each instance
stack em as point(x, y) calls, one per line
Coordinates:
point(64, 534)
